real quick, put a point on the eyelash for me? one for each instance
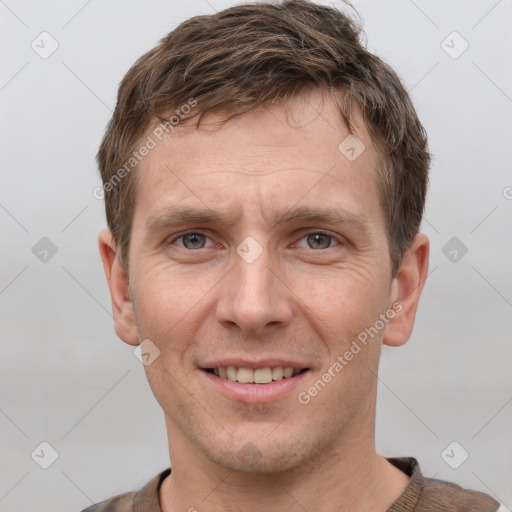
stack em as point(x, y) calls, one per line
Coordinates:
point(339, 240)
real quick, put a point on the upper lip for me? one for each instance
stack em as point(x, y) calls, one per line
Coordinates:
point(241, 362)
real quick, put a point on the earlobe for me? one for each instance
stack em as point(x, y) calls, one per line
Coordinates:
point(117, 280)
point(406, 290)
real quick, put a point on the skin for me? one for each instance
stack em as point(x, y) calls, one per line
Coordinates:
point(302, 297)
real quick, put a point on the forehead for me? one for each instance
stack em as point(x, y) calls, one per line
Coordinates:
point(280, 155)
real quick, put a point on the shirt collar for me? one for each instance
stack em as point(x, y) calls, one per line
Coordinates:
point(147, 499)
point(411, 494)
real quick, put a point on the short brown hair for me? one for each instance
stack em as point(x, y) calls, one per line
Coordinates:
point(263, 54)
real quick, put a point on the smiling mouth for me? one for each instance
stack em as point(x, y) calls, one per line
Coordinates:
point(257, 375)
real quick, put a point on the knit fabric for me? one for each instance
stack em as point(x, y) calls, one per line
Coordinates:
point(421, 495)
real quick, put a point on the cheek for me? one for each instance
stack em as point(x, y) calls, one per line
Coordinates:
point(345, 301)
point(168, 303)
point(342, 311)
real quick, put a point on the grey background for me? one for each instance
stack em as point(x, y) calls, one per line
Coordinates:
point(64, 376)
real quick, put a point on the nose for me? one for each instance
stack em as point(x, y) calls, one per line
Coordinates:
point(253, 297)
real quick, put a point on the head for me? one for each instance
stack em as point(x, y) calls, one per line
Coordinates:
point(265, 178)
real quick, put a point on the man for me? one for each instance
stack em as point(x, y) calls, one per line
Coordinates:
point(264, 180)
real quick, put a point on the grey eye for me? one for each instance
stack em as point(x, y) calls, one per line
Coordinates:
point(194, 240)
point(319, 241)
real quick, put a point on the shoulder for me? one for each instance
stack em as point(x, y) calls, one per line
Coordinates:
point(120, 503)
point(143, 500)
point(432, 495)
point(450, 496)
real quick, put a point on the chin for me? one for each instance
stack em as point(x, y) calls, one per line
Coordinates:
point(250, 459)
point(262, 455)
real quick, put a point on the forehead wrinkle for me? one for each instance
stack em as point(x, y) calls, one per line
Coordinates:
point(239, 171)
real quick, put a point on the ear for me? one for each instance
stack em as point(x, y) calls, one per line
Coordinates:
point(122, 306)
point(406, 290)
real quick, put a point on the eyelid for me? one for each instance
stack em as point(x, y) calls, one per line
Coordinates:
point(185, 233)
point(338, 238)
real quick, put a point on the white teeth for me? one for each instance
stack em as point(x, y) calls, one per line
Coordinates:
point(258, 376)
point(231, 373)
point(262, 375)
point(277, 373)
point(245, 375)
point(288, 372)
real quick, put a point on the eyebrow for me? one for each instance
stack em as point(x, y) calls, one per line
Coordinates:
point(171, 217)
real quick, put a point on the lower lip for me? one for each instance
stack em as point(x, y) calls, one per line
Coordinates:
point(255, 393)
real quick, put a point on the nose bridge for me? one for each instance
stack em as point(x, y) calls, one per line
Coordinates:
point(253, 297)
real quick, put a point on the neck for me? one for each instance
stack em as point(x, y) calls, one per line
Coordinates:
point(350, 477)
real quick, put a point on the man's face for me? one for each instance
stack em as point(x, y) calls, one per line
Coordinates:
point(261, 245)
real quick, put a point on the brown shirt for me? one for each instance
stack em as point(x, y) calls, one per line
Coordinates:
point(421, 495)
